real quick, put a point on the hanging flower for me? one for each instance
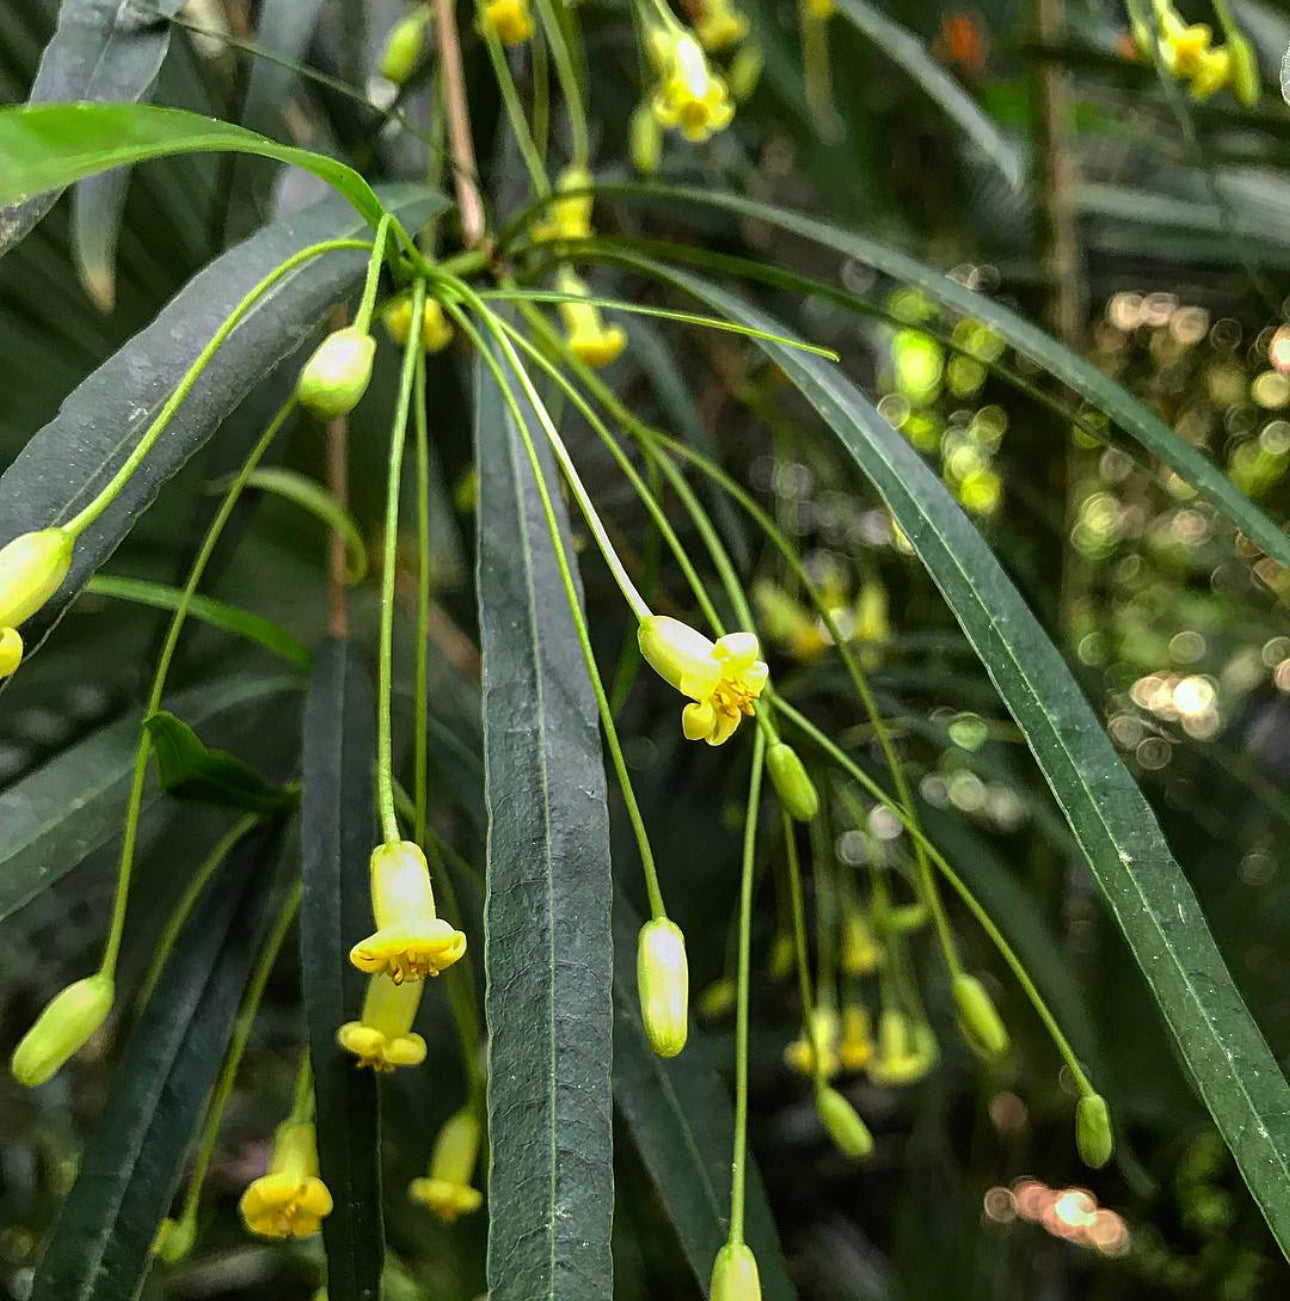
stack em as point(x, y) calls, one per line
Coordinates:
point(290, 1201)
point(818, 1041)
point(690, 97)
point(509, 20)
point(383, 1038)
point(447, 1192)
point(588, 337)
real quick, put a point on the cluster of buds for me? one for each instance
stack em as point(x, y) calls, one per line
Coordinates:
point(1190, 55)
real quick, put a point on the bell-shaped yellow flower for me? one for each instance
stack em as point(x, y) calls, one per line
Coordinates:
point(509, 20)
point(720, 25)
point(690, 97)
point(32, 569)
point(906, 1051)
point(66, 1025)
point(1182, 44)
point(290, 1201)
point(855, 1044)
point(447, 1192)
point(436, 329)
point(1213, 72)
point(10, 651)
point(860, 951)
point(588, 337)
point(663, 982)
point(411, 941)
point(568, 216)
point(722, 678)
point(818, 1040)
point(383, 1038)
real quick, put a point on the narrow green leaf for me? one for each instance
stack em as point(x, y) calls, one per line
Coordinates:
point(63, 465)
point(313, 497)
point(191, 770)
point(1098, 389)
point(338, 832)
point(1148, 894)
point(219, 614)
point(548, 949)
point(54, 818)
point(679, 1115)
point(46, 147)
point(101, 1247)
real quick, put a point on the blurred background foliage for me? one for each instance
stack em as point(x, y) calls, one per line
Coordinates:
point(1176, 628)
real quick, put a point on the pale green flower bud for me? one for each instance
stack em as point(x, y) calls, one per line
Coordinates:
point(336, 376)
point(979, 1019)
point(793, 783)
point(1245, 68)
point(10, 651)
point(663, 982)
point(1093, 1131)
point(843, 1122)
point(646, 139)
point(63, 1028)
point(174, 1240)
point(32, 569)
point(403, 47)
point(734, 1274)
point(745, 71)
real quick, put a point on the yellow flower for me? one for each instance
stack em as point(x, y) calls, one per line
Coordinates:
point(860, 954)
point(820, 9)
point(1183, 45)
point(905, 1053)
point(722, 678)
point(718, 999)
point(290, 1201)
point(383, 1038)
point(509, 20)
point(855, 1047)
point(663, 982)
point(782, 952)
point(1213, 72)
point(822, 1029)
point(690, 96)
point(436, 330)
point(588, 337)
point(568, 217)
point(410, 941)
point(720, 25)
point(446, 1192)
point(66, 1025)
point(32, 569)
point(10, 651)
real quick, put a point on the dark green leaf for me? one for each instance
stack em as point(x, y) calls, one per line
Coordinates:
point(101, 1248)
point(192, 770)
point(63, 465)
point(337, 836)
point(548, 949)
point(55, 817)
point(1149, 896)
point(100, 51)
point(679, 1115)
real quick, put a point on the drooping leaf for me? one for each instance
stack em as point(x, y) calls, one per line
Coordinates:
point(48, 146)
point(63, 465)
point(337, 834)
point(101, 50)
point(1150, 897)
point(1098, 389)
point(101, 1248)
point(679, 1115)
point(547, 927)
point(191, 770)
point(55, 817)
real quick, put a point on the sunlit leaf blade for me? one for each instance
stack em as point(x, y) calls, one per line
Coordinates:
point(679, 1116)
point(55, 817)
point(48, 146)
point(1099, 390)
point(101, 1248)
point(903, 47)
point(1151, 899)
point(99, 51)
point(337, 835)
point(548, 947)
point(64, 464)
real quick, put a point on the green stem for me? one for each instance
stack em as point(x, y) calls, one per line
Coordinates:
point(515, 113)
point(567, 76)
point(421, 740)
point(802, 951)
point(302, 1103)
point(134, 806)
point(80, 522)
point(385, 667)
point(363, 317)
point(738, 1161)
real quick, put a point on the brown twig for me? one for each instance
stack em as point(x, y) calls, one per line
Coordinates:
point(461, 144)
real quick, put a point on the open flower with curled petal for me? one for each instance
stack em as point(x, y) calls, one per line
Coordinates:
point(689, 97)
point(446, 1192)
point(383, 1038)
point(290, 1201)
point(411, 941)
point(723, 678)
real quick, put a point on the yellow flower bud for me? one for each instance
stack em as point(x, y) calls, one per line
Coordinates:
point(855, 1047)
point(860, 952)
point(1093, 1131)
point(843, 1122)
point(734, 1274)
point(337, 375)
point(979, 1019)
point(646, 139)
point(1245, 68)
point(436, 329)
point(588, 337)
point(174, 1239)
point(65, 1026)
point(906, 1052)
point(720, 25)
point(447, 1192)
point(403, 47)
point(745, 71)
point(793, 783)
point(1212, 73)
point(663, 981)
point(10, 651)
point(569, 215)
point(717, 1000)
point(32, 569)
point(290, 1201)
point(509, 20)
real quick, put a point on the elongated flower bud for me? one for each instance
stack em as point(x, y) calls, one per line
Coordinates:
point(646, 139)
point(793, 783)
point(62, 1029)
point(32, 569)
point(979, 1019)
point(403, 47)
point(337, 375)
point(745, 71)
point(843, 1122)
point(734, 1274)
point(1245, 68)
point(1093, 1134)
point(10, 651)
point(663, 981)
